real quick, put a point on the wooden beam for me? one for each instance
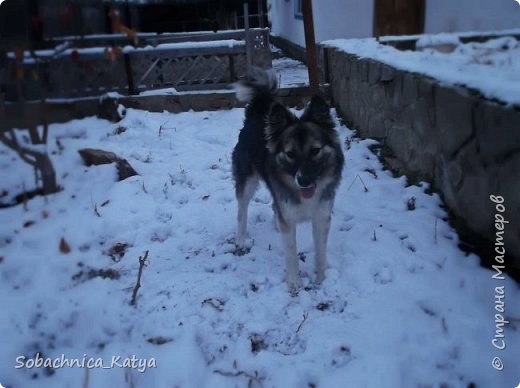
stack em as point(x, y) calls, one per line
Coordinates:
point(129, 75)
point(247, 33)
point(260, 14)
point(310, 46)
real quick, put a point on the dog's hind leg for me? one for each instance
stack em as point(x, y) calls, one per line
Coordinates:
point(245, 192)
point(320, 234)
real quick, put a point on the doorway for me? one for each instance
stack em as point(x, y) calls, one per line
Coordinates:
point(398, 17)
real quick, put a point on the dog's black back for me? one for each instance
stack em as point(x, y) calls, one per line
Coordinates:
point(250, 153)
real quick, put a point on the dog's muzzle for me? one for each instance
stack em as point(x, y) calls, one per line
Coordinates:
point(306, 186)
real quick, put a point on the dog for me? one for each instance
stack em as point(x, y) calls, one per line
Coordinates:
point(299, 159)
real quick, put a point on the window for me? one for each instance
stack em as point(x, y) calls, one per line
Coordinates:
point(298, 10)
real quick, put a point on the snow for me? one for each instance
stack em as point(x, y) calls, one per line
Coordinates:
point(401, 305)
point(229, 43)
point(442, 36)
point(225, 43)
point(491, 67)
point(291, 72)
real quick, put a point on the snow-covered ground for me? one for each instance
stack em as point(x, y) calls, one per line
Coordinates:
point(491, 67)
point(402, 306)
point(291, 72)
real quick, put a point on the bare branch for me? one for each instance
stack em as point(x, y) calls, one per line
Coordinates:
point(305, 316)
point(252, 378)
point(142, 263)
point(361, 180)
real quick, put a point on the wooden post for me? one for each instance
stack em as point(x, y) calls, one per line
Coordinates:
point(326, 69)
point(128, 15)
point(247, 34)
point(260, 14)
point(129, 75)
point(310, 46)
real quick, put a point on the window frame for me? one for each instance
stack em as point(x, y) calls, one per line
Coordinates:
point(298, 9)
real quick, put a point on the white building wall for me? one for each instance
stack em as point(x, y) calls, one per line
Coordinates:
point(283, 22)
point(342, 18)
point(471, 15)
point(332, 19)
point(354, 18)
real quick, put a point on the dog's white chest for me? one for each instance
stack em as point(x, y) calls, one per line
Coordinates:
point(305, 210)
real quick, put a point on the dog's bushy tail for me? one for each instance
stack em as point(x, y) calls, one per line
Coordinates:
point(261, 84)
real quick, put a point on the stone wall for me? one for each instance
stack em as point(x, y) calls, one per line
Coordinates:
point(468, 147)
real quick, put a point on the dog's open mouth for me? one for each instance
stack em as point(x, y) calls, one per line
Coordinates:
point(308, 192)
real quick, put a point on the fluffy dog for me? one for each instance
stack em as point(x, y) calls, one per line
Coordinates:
point(299, 159)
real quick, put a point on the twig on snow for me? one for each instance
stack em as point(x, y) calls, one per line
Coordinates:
point(86, 380)
point(24, 197)
point(129, 379)
point(361, 180)
point(252, 378)
point(305, 316)
point(142, 263)
point(94, 206)
point(435, 231)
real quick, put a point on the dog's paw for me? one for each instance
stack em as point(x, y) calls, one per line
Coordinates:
point(320, 276)
point(243, 246)
point(241, 251)
point(295, 284)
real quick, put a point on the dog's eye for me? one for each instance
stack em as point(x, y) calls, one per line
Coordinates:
point(315, 151)
point(290, 154)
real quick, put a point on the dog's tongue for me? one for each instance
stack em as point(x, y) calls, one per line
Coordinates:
point(307, 192)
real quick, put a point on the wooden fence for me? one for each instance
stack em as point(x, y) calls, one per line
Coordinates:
point(154, 39)
point(75, 68)
point(180, 61)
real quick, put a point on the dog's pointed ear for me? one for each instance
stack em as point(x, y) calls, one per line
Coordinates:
point(277, 120)
point(318, 111)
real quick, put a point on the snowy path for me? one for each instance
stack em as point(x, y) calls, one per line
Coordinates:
point(401, 306)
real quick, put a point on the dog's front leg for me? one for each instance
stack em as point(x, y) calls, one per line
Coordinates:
point(288, 231)
point(320, 233)
point(242, 222)
point(245, 192)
